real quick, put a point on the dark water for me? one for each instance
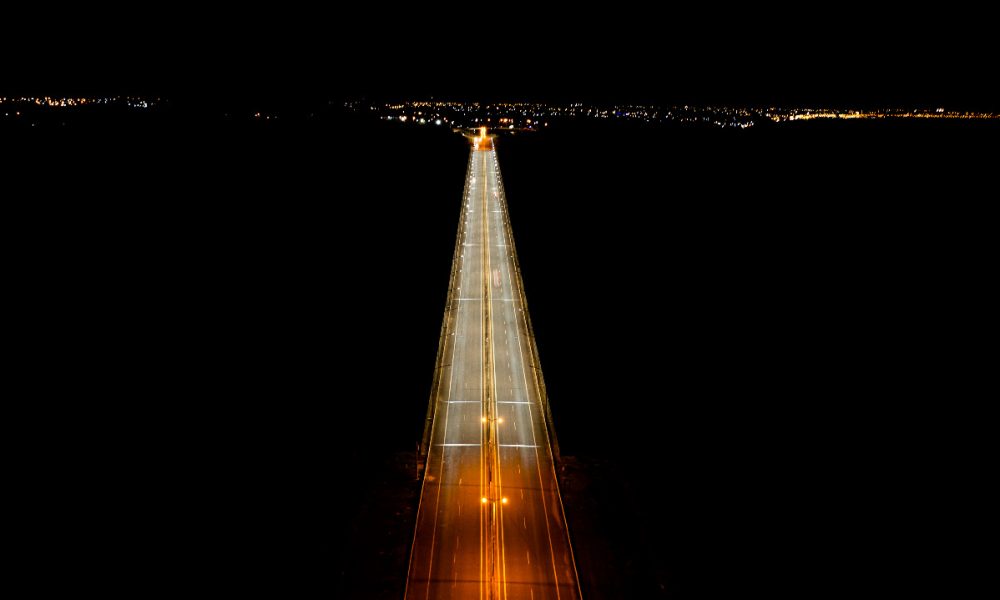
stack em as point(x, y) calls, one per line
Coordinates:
point(229, 329)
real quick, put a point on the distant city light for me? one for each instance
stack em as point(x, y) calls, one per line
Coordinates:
point(67, 102)
point(528, 116)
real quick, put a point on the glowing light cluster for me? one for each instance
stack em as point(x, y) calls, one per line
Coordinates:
point(70, 102)
point(530, 116)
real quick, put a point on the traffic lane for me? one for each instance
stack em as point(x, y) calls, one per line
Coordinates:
point(427, 524)
point(532, 562)
point(457, 537)
point(452, 476)
point(533, 471)
point(535, 566)
point(527, 550)
point(517, 417)
point(456, 552)
point(531, 565)
point(530, 483)
point(463, 391)
point(455, 558)
point(516, 425)
point(530, 433)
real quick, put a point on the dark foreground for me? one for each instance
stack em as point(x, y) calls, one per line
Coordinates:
point(796, 430)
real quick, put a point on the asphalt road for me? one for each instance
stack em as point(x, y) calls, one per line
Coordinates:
point(490, 483)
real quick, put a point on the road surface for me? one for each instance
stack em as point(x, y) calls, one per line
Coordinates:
point(491, 522)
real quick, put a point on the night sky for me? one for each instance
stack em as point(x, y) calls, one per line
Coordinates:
point(867, 57)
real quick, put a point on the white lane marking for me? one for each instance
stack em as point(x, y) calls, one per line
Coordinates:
point(460, 401)
point(460, 445)
point(513, 402)
point(517, 446)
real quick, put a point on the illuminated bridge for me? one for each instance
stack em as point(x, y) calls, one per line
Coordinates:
point(490, 523)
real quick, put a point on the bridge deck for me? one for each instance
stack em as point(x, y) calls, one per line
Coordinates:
point(488, 371)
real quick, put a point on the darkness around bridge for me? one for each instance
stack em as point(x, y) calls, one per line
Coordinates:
point(738, 334)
